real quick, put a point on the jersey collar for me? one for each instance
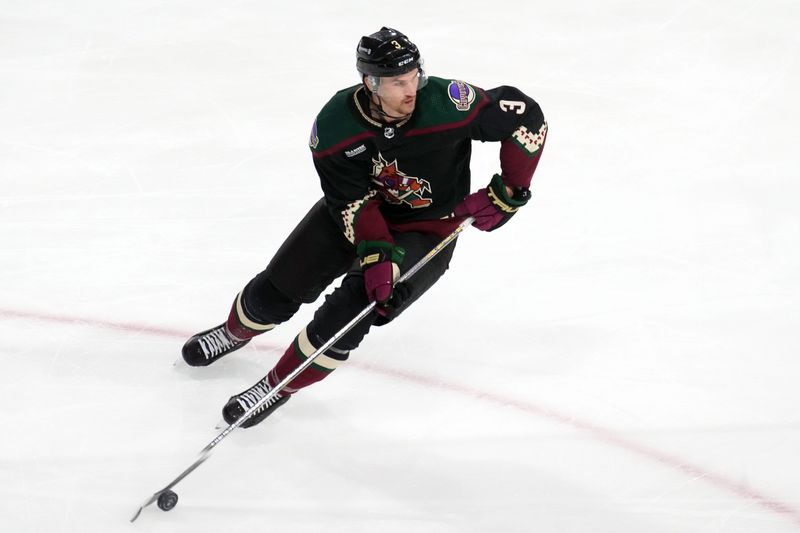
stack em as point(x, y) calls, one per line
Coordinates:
point(360, 94)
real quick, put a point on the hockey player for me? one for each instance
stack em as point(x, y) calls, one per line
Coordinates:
point(393, 157)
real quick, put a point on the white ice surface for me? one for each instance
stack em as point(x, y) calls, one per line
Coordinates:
point(622, 357)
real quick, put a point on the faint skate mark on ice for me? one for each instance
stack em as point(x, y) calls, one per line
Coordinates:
point(135, 179)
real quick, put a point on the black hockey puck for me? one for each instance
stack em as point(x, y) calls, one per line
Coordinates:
point(167, 500)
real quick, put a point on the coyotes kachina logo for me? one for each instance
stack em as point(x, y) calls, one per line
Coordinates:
point(398, 188)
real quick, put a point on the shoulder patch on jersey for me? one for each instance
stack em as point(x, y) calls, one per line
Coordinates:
point(313, 139)
point(437, 109)
point(461, 94)
point(336, 124)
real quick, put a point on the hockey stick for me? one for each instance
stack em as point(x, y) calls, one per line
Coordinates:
point(205, 453)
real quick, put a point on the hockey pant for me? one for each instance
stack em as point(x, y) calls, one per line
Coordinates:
point(309, 260)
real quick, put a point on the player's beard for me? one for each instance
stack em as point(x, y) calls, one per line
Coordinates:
point(404, 107)
point(392, 111)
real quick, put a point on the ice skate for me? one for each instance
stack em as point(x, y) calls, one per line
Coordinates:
point(210, 345)
point(238, 404)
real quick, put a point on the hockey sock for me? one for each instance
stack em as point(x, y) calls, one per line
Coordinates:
point(240, 325)
point(296, 354)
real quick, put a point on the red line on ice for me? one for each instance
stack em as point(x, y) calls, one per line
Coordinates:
point(93, 322)
point(602, 434)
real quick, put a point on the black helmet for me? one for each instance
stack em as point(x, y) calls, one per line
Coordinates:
point(386, 53)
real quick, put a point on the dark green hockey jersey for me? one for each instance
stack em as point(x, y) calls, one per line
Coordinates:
point(409, 175)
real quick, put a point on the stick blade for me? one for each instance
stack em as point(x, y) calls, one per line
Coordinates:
point(135, 516)
point(153, 498)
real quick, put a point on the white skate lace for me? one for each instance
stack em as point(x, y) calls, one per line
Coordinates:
point(215, 342)
point(253, 395)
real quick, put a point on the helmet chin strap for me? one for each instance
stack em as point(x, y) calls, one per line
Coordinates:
point(378, 107)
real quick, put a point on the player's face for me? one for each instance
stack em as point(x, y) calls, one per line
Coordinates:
point(399, 93)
